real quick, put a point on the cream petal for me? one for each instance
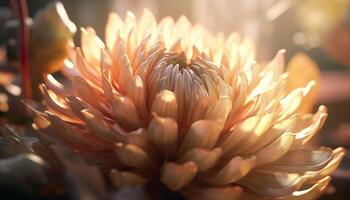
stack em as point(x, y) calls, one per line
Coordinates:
point(251, 139)
point(234, 170)
point(179, 89)
point(130, 43)
point(219, 109)
point(58, 105)
point(133, 156)
point(272, 184)
point(98, 126)
point(125, 178)
point(314, 176)
point(302, 160)
point(107, 87)
point(275, 150)
point(235, 117)
point(253, 76)
point(136, 90)
point(40, 122)
point(139, 58)
point(119, 49)
point(176, 176)
point(52, 84)
point(106, 60)
point(144, 69)
point(224, 89)
point(114, 24)
point(130, 23)
point(91, 45)
point(230, 139)
point(85, 91)
point(200, 107)
point(308, 126)
point(202, 134)
point(126, 113)
point(276, 66)
point(241, 96)
point(64, 130)
point(204, 159)
point(77, 105)
point(125, 75)
point(153, 82)
point(69, 69)
point(274, 132)
point(248, 195)
point(211, 87)
point(314, 192)
point(85, 69)
point(165, 104)
point(290, 103)
point(138, 137)
point(163, 133)
point(221, 193)
point(147, 23)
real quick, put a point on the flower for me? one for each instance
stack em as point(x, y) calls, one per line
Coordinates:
point(172, 102)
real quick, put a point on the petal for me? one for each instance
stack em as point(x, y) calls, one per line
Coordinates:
point(108, 89)
point(133, 156)
point(219, 109)
point(136, 90)
point(272, 184)
point(139, 137)
point(98, 126)
point(302, 160)
point(114, 23)
point(165, 104)
point(77, 105)
point(52, 84)
point(314, 192)
point(125, 178)
point(275, 150)
point(64, 130)
point(314, 176)
point(125, 74)
point(276, 66)
point(273, 133)
point(198, 110)
point(223, 193)
point(86, 91)
point(85, 69)
point(229, 140)
point(176, 176)
point(234, 170)
point(204, 159)
point(308, 126)
point(202, 134)
point(251, 139)
point(58, 105)
point(290, 103)
point(126, 113)
point(163, 133)
point(91, 45)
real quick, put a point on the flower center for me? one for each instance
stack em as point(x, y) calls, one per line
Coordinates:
point(193, 82)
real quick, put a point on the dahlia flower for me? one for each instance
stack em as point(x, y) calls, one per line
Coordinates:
point(174, 103)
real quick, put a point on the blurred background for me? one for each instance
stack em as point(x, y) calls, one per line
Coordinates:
point(315, 33)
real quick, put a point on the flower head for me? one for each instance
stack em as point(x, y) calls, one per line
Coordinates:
point(171, 101)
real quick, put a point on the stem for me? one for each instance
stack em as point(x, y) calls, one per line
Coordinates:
point(21, 10)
